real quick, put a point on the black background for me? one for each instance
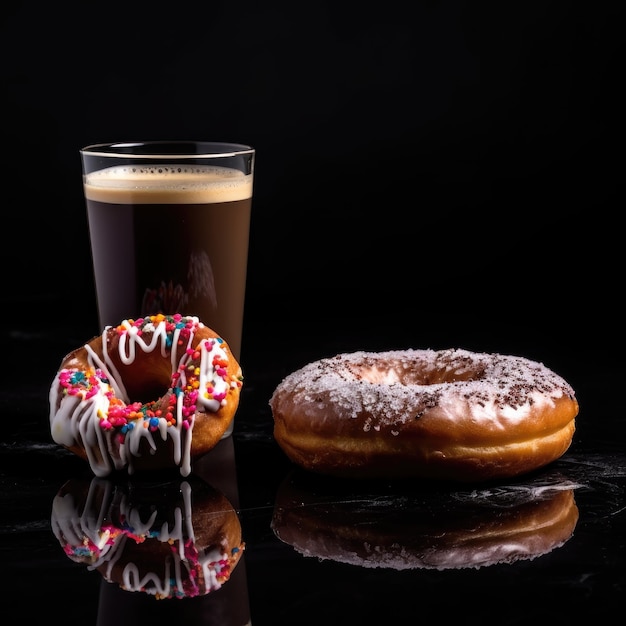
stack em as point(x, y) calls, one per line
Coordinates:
point(429, 174)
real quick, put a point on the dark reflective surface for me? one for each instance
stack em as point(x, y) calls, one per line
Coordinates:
point(401, 528)
point(546, 546)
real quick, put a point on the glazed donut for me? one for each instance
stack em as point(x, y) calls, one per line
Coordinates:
point(179, 539)
point(450, 414)
point(451, 530)
point(151, 393)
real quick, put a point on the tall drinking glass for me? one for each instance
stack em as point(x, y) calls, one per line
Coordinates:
point(169, 226)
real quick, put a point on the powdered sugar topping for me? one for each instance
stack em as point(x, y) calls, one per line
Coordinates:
point(394, 387)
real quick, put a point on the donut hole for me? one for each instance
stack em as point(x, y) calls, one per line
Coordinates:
point(147, 393)
point(441, 376)
point(396, 372)
point(146, 380)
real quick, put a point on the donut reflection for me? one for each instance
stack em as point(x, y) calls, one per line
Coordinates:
point(430, 530)
point(170, 539)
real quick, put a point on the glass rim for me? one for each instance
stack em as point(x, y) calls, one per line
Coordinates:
point(203, 149)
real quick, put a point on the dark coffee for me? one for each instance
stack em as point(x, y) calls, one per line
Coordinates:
point(171, 239)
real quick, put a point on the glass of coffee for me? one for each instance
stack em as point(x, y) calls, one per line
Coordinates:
point(169, 226)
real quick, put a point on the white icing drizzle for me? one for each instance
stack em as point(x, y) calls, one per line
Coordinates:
point(396, 387)
point(87, 538)
point(76, 420)
point(78, 531)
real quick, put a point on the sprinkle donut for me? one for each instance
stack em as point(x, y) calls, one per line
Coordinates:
point(102, 399)
point(450, 414)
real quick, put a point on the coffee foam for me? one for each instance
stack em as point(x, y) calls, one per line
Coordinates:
point(167, 184)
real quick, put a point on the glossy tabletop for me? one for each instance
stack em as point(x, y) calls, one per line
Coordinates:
point(319, 550)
